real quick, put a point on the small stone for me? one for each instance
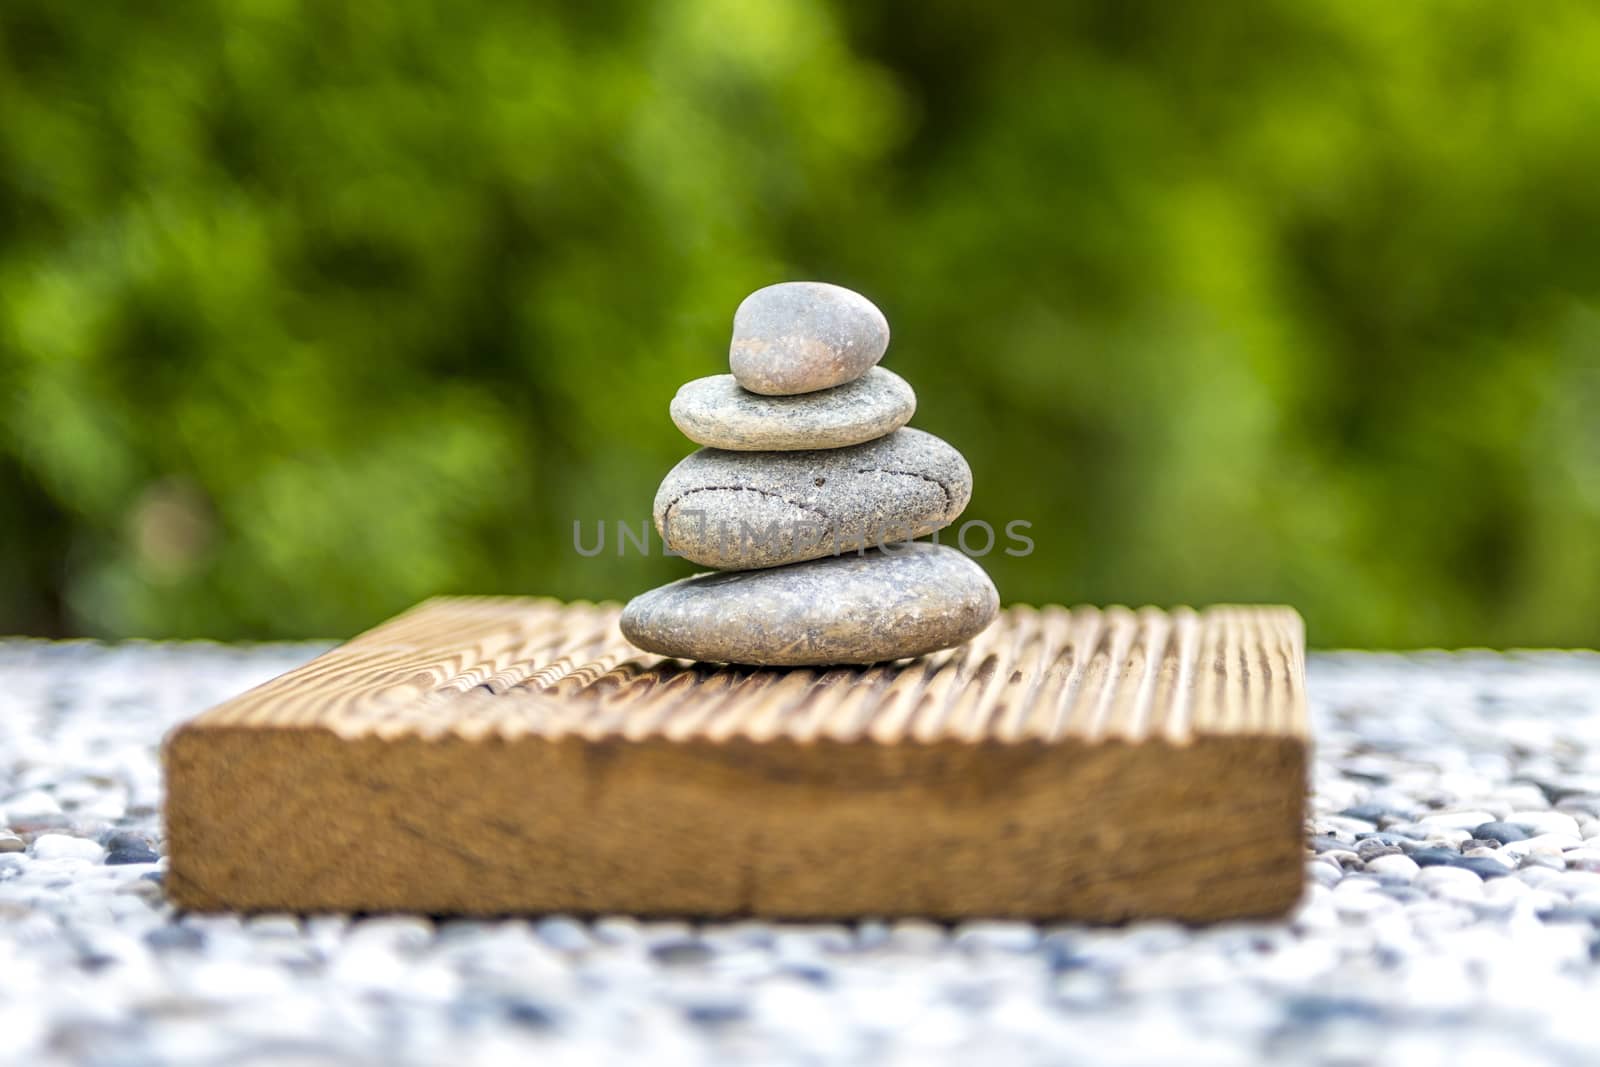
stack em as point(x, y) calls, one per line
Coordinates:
point(1483, 866)
point(186, 938)
point(681, 952)
point(719, 413)
point(1435, 857)
point(61, 846)
point(1503, 832)
point(1324, 872)
point(1491, 852)
point(1369, 850)
point(743, 510)
point(120, 839)
point(884, 604)
point(10, 842)
point(1394, 866)
point(131, 854)
point(563, 933)
point(123, 846)
point(529, 1013)
point(1454, 820)
point(1580, 859)
point(1409, 831)
point(1574, 882)
point(1449, 880)
point(997, 936)
point(1543, 844)
point(1545, 822)
point(715, 1012)
point(1344, 824)
point(1374, 813)
point(34, 810)
point(798, 337)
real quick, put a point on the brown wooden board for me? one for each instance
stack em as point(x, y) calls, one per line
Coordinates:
point(500, 755)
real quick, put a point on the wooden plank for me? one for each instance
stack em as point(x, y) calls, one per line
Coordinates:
point(499, 755)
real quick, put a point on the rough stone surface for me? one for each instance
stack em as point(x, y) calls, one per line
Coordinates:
point(96, 968)
point(743, 510)
point(882, 604)
point(719, 413)
point(798, 337)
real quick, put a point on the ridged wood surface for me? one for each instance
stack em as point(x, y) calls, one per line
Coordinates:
point(477, 666)
point(576, 773)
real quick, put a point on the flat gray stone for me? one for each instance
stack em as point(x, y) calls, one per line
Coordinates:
point(720, 413)
point(882, 604)
point(798, 337)
point(741, 510)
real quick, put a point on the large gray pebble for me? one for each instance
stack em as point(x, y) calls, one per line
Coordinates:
point(740, 510)
point(798, 337)
point(720, 413)
point(878, 605)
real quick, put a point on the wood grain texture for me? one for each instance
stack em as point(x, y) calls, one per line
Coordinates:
point(498, 755)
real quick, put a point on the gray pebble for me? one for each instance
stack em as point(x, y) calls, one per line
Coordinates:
point(743, 510)
point(1502, 832)
point(798, 337)
point(132, 854)
point(1434, 857)
point(563, 933)
point(1370, 850)
point(719, 413)
point(883, 604)
point(681, 952)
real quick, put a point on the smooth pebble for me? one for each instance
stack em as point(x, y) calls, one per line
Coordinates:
point(742, 510)
point(719, 413)
point(798, 337)
point(883, 604)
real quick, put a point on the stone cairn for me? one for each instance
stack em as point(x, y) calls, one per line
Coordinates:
point(805, 500)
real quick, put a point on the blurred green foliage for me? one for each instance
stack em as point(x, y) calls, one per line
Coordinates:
point(308, 311)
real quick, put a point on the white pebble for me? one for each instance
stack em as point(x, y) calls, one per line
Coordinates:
point(1537, 877)
point(997, 936)
point(63, 847)
point(33, 804)
point(1523, 798)
point(1328, 824)
point(1544, 844)
point(1363, 905)
point(1574, 882)
point(1506, 888)
point(1508, 862)
point(1545, 822)
point(1451, 883)
point(1455, 820)
point(1394, 866)
point(1324, 873)
point(1586, 858)
point(1357, 886)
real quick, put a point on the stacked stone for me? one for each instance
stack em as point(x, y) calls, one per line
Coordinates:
point(805, 500)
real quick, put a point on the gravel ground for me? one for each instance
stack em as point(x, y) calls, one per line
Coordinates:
point(1450, 917)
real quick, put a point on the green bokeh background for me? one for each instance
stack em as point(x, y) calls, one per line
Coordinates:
point(308, 310)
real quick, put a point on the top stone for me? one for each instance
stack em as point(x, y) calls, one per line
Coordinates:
point(798, 337)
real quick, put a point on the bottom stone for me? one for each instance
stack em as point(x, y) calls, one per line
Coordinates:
point(883, 604)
